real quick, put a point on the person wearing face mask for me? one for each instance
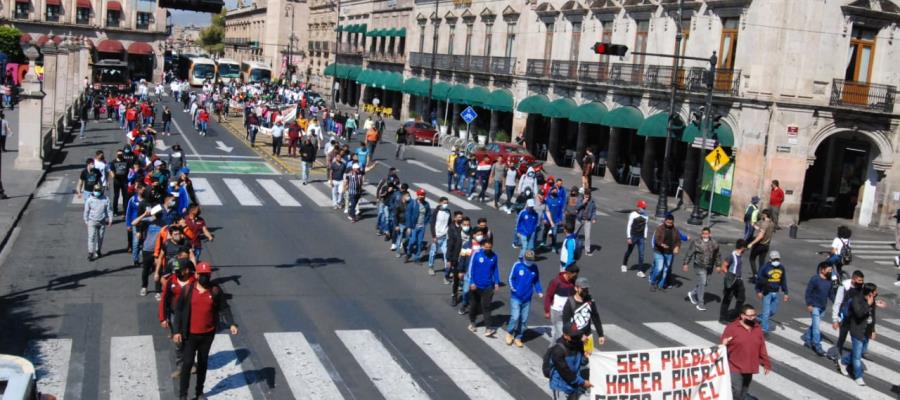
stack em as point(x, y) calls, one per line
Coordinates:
point(171, 242)
point(484, 281)
point(772, 279)
point(172, 284)
point(667, 242)
point(746, 348)
point(151, 227)
point(733, 283)
point(524, 280)
point(558, 292)
point(861, 327)
point(553, 217)
point(440, 227)
point(454, 245)
point(817, 291)
point(528, 181)
point(177, 160)
point(527, 225)
point(97, 216)
point(839, 310)
point(401, 203)
point(580, 311)
point(89, 178)
point(418, 214)
point(566, 361)
point(119, 168)
point(137, 205)
point(200, 307)
point(703, 255)
point(462, 264)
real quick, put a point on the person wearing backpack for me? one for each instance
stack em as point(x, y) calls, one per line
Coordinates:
point(841, 252)
point(562, 364)
point(839, 311)
point(751, 215)
point(571, 248)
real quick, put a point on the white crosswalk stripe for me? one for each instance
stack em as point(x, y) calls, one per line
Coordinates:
point(773, 381)
point(128, 360)
point(422, 165)
point(301, 367)
point(872, 369)
point(51, 362)
point(471, 379)
point(313, 193)
point(825, 375)
point(528, 362)
point(281, 196)
point(878, 251)
point(50, 189)
point(241, 192)
point(383, 369)
point(205, 193)
point(225, 377)
point(454, 200)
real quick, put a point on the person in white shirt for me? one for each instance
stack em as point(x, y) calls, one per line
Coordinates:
point(839, 246)
point(636, 234)
point(5, 132)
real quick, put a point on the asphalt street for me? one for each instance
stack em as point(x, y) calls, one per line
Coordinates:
point(326, 311)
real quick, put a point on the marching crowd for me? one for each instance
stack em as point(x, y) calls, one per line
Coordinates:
point(166, 234)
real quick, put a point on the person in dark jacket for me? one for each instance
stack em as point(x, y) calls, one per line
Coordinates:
point(581, 311)
point(307, 158)
point(586, 218)
point(772, 279)
point(454, 245)
point(861, 321)
point(418, 215)
point(400, 204)
point(566, 361)
point(666, 243)
point(817, 291)
point(199, 309)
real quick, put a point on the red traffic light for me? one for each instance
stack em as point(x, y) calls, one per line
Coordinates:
point(608, 49)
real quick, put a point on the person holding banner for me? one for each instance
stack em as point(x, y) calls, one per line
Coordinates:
point(746, 347)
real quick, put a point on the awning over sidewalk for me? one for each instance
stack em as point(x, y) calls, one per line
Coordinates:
point(499, 100)
point(534, 104)
point(723, 134)
point(140, 49)
point(560, 108)
point(657, 125)
point(440, 90)
point(110, 46)
point(624, 117)
point(589, 113)
point(415, 87)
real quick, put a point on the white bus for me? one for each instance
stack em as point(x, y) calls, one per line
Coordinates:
point(201, 69)
point(228, 70)
point(253, 71)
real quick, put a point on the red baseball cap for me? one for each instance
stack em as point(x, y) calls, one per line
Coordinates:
point(641, 204)
point(420, 192)
point(203, 267)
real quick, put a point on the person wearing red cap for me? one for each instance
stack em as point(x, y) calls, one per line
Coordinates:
point(418, 215)
point(197, 313)
point(636, 234)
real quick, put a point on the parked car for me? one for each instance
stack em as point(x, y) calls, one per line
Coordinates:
point(510, 152)
point(18, 380)
point(313, 98)
point(420, 131)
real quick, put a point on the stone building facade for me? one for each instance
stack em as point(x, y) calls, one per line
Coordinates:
point(130, 30)
point(262, 31)
point(321, 44)
point(786, 104)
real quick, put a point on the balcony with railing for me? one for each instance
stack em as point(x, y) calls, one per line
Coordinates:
point(863, 95)
point(563, 70)
point(385, 57)
point(503, 65)
point(460, 63)
point(593, 71)
point(537, 68)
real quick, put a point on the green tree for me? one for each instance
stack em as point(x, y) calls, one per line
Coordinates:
point(212, 37)
point(9, 43)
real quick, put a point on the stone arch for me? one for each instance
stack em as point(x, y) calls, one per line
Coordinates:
point(884, 160)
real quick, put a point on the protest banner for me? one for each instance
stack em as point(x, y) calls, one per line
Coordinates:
point(676, 373)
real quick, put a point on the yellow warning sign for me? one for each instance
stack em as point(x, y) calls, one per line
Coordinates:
point(717, 159)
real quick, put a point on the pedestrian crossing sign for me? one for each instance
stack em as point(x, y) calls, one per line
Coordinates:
point(717, 159)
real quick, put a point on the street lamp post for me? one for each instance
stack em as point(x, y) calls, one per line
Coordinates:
point(662, 202)
point(337, 51)
point(434, 44)
point(696, 215)
point(289, 9)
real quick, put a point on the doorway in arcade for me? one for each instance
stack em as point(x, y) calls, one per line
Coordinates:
point(655, 129)
point(141, 61)
point(592, 135)
point(841, 182)
point(625, 151)
point(696, 169)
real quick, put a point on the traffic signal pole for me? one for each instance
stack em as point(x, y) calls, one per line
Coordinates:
point(662, 201)
point(434, 44)
point(696, 217)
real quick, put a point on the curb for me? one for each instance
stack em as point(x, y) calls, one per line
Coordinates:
point(279, 162)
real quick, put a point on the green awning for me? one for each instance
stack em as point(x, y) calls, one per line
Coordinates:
point(400, 32)
point(589, 113)
point(723, 134)
point(351, 71)
point(657, 126)
point(375, 33)
point(440, 90)
point(352, 28)
point(458, 94)
point(560, 108)
point(330, 70)
point(534, 104)
point(376, 79)
point(499, 100)
point(390, 32)
point(339, 29)
point(392, 81)
point(368, 77)
point(478, 96)
point(624, 117)
point(361, 28)
point(415, 87)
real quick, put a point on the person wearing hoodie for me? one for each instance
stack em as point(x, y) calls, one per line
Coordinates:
point(566, 361)
point(460, 170)
point(526, 227)
point(558, 292)
point(439, 227)
point(553, 217)
point(524, 280)
point(568, 250)
point(772, 279)
point(484, 281)
point(418, 215)
point(636, 234)
point(453, 247)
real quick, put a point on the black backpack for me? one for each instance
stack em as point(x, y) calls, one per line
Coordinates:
point(846, 253)
point(547, 365)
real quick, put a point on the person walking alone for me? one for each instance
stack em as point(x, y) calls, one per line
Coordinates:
point(307, 158)
point(733, 285)
point(586, 218)
point(776, 199)
point(97, 216)
point(703, 256)
point(817, 293)
point(667, 242)
point(636, 234)
point(746, 348)
point(771, 280)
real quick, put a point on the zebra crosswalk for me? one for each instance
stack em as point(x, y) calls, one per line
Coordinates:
point(305, 369)
point(880, 252)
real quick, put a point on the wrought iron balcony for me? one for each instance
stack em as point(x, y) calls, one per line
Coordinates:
point(443, 61)
point(593, 71)
point(460, 63)
point(863, 95)
point(627, 74)
point(479, 64)
point(564, 70)
point(503, 65)
point(537, 68)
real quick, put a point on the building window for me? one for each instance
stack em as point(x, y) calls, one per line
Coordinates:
point(53, 12)
point(21, 10)
point(421, 38)
point(510, 40)
point(468, 48)
point(488, 38)
point(143, 20)
point(450, 39)
point(113, 18)
point(576, 41)
point(82, 16)
point(401, 50)
point(860, 55)
point(548, 42)
point(728, 43)
point(640, 40)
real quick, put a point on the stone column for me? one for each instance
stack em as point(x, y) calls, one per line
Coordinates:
point(495, 122)
point(62, 68)
point(453, 120)
point(580, 144)
point(74, 81)
point(30, 131)
point(612, 155)
point(83, 69)
point(648, 164)
point(553, 141)
point(49, 112)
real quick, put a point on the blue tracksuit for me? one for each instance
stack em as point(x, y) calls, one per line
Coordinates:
point(484, 271)
point(527, 222)
point(524, 280)
point(567, 252)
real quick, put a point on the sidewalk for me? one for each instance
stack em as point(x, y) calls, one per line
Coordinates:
point(287, 165)
point(19, 185)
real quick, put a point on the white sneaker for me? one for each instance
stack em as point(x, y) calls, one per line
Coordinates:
point(143, 291)
point(624, 268)
point(641, 274)
point(157, 297)
point(692, 298)
point(393, 247)
point(897, 283)
point(842, 367)
point(860, 381)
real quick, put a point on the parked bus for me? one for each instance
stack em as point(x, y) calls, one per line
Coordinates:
point(228, 70)
point(253, 71)
point(111, 76)
point(201, 69)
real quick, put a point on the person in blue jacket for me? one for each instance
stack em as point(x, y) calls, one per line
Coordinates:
point(524, 280)
point(484, 281)
point(461, 169)
point(567, 251)
point(418, 215)
point(566, 360)
point(553, 217)
point(136, 206)
point(526, 227)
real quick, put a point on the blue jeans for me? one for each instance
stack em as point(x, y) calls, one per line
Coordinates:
point(813, 336)
point(197, 253)
point(401, 234)
point(498, 192)
point(549, 231)
point(417, 240)
point(518, 317)
point(854, 359)
point(166, 125)
point(769, 308)
point(661, 264)
point(460, 180)
point(135, 247)
point(526, 243)
point(381, 219)
point(81, 129)
point(203, 126)
point(450, 180)
point(440, 244)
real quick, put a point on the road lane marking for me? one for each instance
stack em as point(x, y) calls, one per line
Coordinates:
point(314, 194)
point(51, 189)
point(422, 165)
point(205, 193)
point(471, 379)
point(875, 346)
point(242, 192)
point(225, 378)
point(382, 369)
point(188, 141)
point(301, 367)
point(51, 364)
point(627, 339)
point(132, 366)
point(281, 196)
point(527, 362)
point(455, 200)
point(772, 381)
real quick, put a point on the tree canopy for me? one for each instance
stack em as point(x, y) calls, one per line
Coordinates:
point(212, 37)
point(9, 43)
